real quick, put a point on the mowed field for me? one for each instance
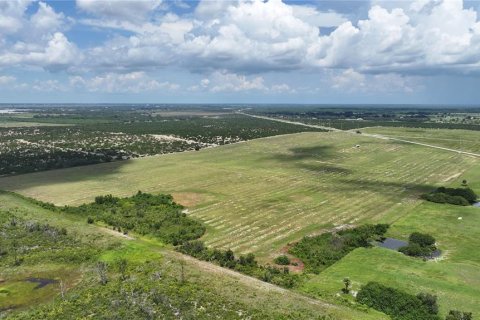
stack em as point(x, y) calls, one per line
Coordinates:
point(260, 195)
point(464, 140)
point(454, 277)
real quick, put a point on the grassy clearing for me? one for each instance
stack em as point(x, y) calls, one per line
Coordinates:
point(259, 195)
point(464, 140)
point(454, 278)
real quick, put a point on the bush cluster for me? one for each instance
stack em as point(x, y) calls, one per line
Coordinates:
point(28, 242)
point(321, 251)
point(455, 196)
point(145, 214)
point(398, 304)
point(282, 260)
point(419, 245)
point(244, 263)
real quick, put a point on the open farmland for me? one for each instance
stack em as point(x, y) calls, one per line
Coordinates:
point(454, 277)
point(464, 140)
point(106, 135)
point(211, 293)
point(259, 195)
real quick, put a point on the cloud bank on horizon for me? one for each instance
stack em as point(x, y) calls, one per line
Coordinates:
point(419, 51)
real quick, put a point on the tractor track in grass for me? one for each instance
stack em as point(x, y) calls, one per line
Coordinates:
point(377, 136)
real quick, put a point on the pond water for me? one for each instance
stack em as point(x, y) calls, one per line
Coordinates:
point(41, 282)
point(476, 204)
point(395, 244)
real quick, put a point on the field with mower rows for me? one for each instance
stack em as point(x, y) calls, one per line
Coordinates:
point(260, 195)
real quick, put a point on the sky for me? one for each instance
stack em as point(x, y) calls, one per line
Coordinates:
point(242, 51)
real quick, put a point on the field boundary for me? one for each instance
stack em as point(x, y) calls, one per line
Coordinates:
point(377, 136)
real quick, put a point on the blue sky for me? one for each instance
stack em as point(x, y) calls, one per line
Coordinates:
point(392, 52)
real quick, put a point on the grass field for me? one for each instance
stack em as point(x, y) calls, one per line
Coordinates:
point(464, 140)
point(249, 294)
point(259, 195)
point(455, 277)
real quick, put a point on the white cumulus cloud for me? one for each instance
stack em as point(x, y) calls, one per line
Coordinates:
point(133, 82)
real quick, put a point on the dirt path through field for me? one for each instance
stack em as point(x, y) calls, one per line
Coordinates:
point(116, 233)
point(250, 281)
point(377, 136)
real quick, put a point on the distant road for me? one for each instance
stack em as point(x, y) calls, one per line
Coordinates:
point(291, 122)
point(377, 136)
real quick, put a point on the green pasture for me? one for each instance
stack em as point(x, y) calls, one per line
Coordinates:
point(464, 140)
point(254, 295)
point(259, 195)
point(454, 277)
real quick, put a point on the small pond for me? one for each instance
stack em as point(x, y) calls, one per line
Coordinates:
point(41, 282)
point(395, 244)
point(476, 204)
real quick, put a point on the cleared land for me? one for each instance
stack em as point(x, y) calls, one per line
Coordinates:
point(17, 124)
point(259, 195)
point(454, 277)
point(464, 140)
point(248, 294)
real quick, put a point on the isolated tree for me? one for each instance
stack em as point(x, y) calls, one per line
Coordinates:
point(346, 283)
point(14, 248)
point(122, 265)
point(464, 183)
point(182, 271)
point(102, 272)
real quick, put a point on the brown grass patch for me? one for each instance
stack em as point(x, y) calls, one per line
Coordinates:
point(190, 199)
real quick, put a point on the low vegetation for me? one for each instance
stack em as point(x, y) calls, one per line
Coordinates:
point(320, 252)
point(145, 214)
point(456, 196)
point(419, 245)
point(398, 304)
point(403, 306)
point(244, 263)
point(101, 135)
point(282, 260)
point(49, 272)
point(148, 292)
point(28, 242)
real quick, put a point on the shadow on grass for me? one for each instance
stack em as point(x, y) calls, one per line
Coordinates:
point(65, 175)
point(383, 186)
point(318, 159)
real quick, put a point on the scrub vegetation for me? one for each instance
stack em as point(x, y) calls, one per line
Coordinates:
point(281, 227)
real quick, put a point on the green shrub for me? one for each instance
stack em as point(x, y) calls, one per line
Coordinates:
point(398, 304)
point(458, 201)
point(321, 251)
point(282, 260)
point(459, 315)
point(143, 213)
point(245, 263)
point(415, 250)
point(422, 239)
point(419, 245)
point(455, 196)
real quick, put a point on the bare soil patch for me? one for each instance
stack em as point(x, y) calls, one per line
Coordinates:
point(190, 199)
